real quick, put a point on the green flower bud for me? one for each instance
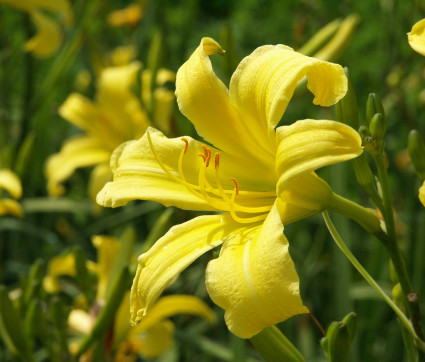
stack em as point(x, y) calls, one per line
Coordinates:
point(373, 106)
point(416, 149)
point(350, 320)
point(378, 127)
point(339, 342)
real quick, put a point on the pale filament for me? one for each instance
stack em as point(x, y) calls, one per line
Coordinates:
point(219, 200)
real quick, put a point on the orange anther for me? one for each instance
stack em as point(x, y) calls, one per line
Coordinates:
point(217, 160)
point(236, 184)
point(203, 157)
point(186, 144)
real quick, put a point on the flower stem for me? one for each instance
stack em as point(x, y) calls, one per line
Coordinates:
point(390, 242)
point(403, 319)
point(272, 344)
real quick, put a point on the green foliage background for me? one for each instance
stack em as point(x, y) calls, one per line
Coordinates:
point(380, 61)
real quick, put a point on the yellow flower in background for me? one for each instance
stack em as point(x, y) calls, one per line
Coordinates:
point(10, 182)
point(115, 116)
point(153, 336)
point(130, 15)
point(150, 338)
point(422, 194)
point(416, 37)
point(259, 177)
point(49, 35)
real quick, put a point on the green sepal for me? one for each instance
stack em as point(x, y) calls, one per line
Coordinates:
point(416, 148)
point(347, 110)
point(273, 346)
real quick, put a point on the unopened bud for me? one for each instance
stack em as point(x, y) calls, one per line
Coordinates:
point(373, 106)
point(377, 127)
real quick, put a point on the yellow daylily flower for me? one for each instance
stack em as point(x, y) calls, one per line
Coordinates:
point(115, 116)
point(258, 177)
point(150, 338)
point(49, 36)
point(416, 37)
point(10, 182)
point(130, 15)
point(59, 266)
point(422, 194)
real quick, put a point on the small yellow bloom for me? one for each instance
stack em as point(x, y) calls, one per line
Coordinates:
point(416, 37)
point(130, 15)
point(115, 116)
point(49, 36)
point(10, 182)
point(258, 177)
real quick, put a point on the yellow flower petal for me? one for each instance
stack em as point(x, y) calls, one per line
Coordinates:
point(417, 37)
point(204, 100)
point(107, 248)
point(10, 182)
point(254, 279)
point(308, 145)
point(117, 100)
point(100, 175)
point(130, 15)
point(171, 254)
point(80, 321)
point(58, 266)
point(48, 37)
point(10, 207)
point(85, 114)
point(164, 104)
point(175, 304)
point(137, 175)
point(264, 83)
point(76, 152)
point(422, 194)
point(154, 341)
point(307, 195)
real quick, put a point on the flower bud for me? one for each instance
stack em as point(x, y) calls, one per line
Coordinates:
point(373, 106)
point(377, 127)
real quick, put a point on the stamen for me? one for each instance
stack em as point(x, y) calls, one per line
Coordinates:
point(182, 181)
point(201, 191)
point(186, 146)
point(243, 220)
point(216, 160)
point(236, 184)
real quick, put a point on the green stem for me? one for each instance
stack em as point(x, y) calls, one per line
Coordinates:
point(403, 319)
point(273, 346)
point(363, 216)
point(390, 242)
